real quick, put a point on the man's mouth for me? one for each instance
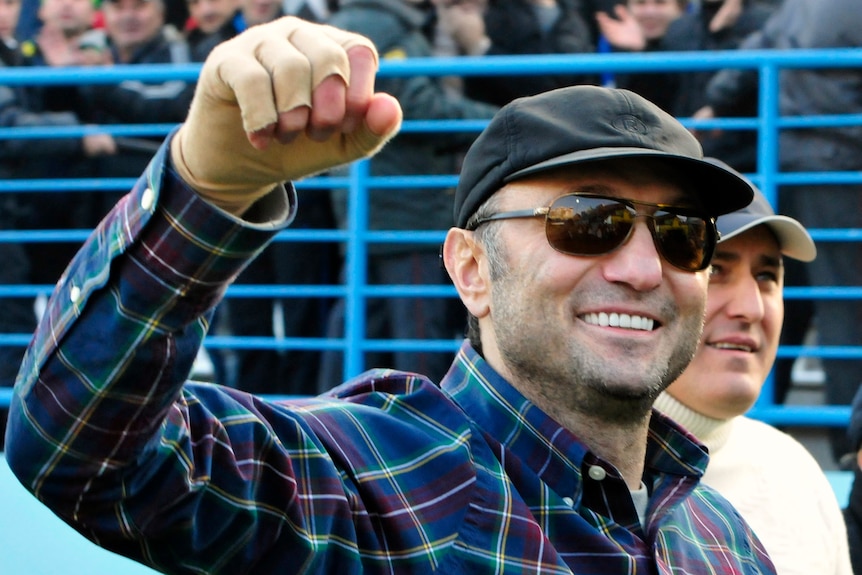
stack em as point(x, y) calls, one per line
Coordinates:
point(622, 320)
point(731, 346)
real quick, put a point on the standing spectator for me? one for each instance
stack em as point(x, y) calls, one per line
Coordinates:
point(210, 23)
point(214, 21)
point(800, 24)
point(640, 27)
point(398, 29)
point(254, 12)
point(697, 31)
point(757, 467)
point(67, 37)
point(29, 158)
point(136, 35)
point(517, 27)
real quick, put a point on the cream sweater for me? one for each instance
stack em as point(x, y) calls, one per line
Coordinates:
point(777, 486)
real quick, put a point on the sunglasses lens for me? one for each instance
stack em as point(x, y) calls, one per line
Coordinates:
point(591, 226)
point(586, 226)
point(682, 240)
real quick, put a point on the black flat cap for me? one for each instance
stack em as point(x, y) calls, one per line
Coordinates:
point(583, 124)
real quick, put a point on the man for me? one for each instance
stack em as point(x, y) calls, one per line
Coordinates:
point(813, 24)
point(25, 263)
point(537, 453)
point(136, 35)
point(758, 468)
point(640, 26)
point(210, 22)
point(132, 26)
point(696, 31)
point(67, 36)
point(516, 27)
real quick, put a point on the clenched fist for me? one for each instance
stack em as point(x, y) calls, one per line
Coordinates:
point(279, 102)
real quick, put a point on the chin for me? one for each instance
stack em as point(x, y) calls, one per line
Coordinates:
point(732, 406)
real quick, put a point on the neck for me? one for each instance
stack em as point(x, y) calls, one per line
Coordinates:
point(621, 443)
point(711, 432)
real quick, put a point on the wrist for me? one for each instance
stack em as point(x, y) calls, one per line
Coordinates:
point(233, 199)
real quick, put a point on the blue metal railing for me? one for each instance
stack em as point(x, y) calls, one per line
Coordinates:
point(357, 237)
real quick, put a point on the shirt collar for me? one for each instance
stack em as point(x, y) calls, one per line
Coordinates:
point(545, 446)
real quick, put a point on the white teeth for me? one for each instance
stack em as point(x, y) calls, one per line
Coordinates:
point(733, 346)
point(623, 320)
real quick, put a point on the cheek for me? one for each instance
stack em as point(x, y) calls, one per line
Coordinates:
point(773, 320)
point(691, 291)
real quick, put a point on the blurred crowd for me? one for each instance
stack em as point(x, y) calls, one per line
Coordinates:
point(64, 33)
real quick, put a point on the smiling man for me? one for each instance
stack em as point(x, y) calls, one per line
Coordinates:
point(538, 452)
point(770, 478)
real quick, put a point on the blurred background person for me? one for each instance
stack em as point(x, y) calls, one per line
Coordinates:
point(255, 12)
point(516, 27)
point(210, 23)
point(640, 26)
point(137, 35)
point(31, 263)
point(402, 29)
point(696, 31)
point(67, 36)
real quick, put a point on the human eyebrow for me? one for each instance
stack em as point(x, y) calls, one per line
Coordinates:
point(771, 261)
point(725, 255)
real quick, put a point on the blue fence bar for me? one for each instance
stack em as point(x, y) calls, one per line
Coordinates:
point(357, 237)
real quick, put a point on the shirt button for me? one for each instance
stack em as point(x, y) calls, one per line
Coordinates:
point(74, 294)
point(597, 472)
point(568, 501)
point(147, 199)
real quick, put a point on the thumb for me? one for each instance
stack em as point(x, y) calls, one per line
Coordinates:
point(384, 115)
point(382, 122)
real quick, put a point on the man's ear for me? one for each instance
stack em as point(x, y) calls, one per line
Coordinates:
point(467, 266)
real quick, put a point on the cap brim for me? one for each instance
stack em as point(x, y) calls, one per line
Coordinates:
point(719, 190)
point(792, 236)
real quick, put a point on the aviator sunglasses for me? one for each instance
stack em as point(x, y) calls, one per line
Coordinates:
point(582, 224)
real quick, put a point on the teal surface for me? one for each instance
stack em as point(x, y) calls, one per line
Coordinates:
point(33, 541)
point(842, 482)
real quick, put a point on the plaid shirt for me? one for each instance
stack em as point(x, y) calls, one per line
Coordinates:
point(388, 473)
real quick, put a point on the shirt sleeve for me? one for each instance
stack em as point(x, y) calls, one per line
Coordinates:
point(99, 424)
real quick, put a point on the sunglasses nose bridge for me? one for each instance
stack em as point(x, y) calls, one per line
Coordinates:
point(649, 221)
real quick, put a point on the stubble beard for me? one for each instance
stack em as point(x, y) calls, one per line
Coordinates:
point(579, 384)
